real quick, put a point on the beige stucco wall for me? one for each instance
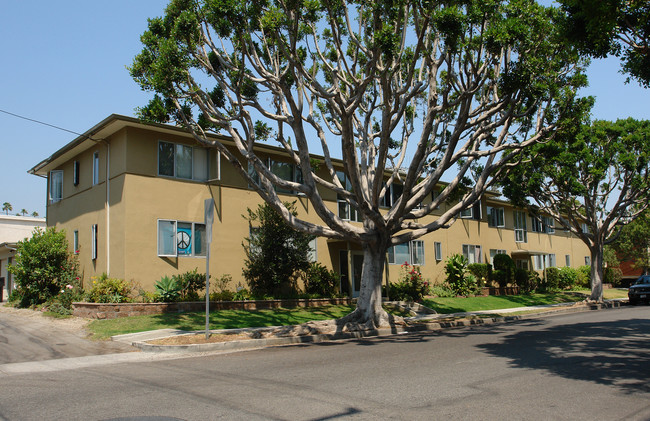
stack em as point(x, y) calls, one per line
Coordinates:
point(138, 198)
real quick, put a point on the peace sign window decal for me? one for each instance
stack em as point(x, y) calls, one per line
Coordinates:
point(184, 239)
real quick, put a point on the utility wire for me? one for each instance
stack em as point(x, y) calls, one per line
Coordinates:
point(43, 123)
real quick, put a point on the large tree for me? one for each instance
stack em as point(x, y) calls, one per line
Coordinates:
point(410, 92)
point(619, 27)
point(592, 180)
point(633, 244)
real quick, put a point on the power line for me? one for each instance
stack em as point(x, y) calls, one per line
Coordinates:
point(43, 123)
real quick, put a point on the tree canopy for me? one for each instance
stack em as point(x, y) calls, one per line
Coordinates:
point(593, 180)
point(410, 94)
point(619, 27)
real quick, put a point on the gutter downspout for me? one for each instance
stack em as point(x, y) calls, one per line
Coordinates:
point(108, 209)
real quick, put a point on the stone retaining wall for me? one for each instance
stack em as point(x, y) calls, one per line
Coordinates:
point(112, 311)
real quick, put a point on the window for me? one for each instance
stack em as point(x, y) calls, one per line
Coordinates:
point(467, 213)
point(521, 236)
point(521, 264)
point(437, 246)
point(93, 242)
point(95, 168)
point(588, 260)
point(182, 239)
point(183, 161)
point(346, 211)
point(56, 186)
point(75, 242)
point(549, 225)
point(538, 262)
point(312, 255)
point(567, 260)
point(494, 252)
point(411, 253)
point(585, 228)
point(551, 261)
point(496, 217)
point(286, 171)
point(472, 213)
point(536, 224)
point(75, 173)
point(393, 193)
point(472, 253)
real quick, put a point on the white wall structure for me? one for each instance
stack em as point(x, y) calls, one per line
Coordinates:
point(12, 230)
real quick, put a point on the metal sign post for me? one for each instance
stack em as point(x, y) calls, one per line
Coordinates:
point(209, 218)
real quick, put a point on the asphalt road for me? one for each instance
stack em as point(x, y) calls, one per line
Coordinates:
point(591, 366)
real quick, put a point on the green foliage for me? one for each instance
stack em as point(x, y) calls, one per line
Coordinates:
point(482, 272)
point(584, 277)
point(242, 294)
point(321, 281)
point(568, 277)
point(618, 27)
point(190, 283)
point(504, 270)
point(634, 241)
point(442, 291)
point(167, 289)
point(551, 280)
point(527, 280)
point(110, 290)
point(221, 292)
point(458, 278)
point(275, 253)
point(411, 286)
point(613, 276)
point(43, 266)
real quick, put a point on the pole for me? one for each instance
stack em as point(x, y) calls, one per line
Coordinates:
point(209, 218)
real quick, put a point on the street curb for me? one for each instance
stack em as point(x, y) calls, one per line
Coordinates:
point(432, 324)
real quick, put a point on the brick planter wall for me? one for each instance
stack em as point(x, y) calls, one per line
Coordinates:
point(112, 311)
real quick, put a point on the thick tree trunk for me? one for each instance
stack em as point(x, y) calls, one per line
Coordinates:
point(597, 274)
point(369, 305)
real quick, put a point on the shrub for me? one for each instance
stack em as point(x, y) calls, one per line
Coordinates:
point(242, 294)
point(613, 275)
point(321, 281)
point(504, 270)
point(551, 279)
point(457, 276)
point(482, 272)
point(411, 286)
point(275, 252)
point(568, 277)
point(526, 280)
point(43, 266)
point(224, 295)
point(110, 290)
point(442, 291)
point(584, 276)
point(167, 289)
point(189, 284)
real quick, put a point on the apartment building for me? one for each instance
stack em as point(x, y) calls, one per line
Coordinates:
point(130, 197)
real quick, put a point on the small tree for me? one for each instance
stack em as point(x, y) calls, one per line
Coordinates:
point(275, 252)
point(6, 206)
point(43, 266)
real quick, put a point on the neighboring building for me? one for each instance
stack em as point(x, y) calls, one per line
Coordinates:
point(130, 198)
point(12, 230)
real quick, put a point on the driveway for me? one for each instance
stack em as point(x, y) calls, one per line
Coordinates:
point(27, 336)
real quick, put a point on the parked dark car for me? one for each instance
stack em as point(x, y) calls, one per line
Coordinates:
point(640, 290)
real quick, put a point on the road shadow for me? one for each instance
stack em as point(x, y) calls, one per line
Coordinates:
point(613, 353)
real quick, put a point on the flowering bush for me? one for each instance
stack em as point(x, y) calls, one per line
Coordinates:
point(411, 286)
point(110, 290)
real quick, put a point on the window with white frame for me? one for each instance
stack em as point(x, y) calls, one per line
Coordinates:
point(393, 193)
point(521, 235)
point(75, 241)
point(585, 228)
point(549, 225)
point(496, 217)
point(346, 211)
point(93, 242)
point(567, 260)
point(411, 253)
point(538, 262)
point(95, 168)
point(472, 253)
point(467, 213)
point(437, 247)
point(56, 186)
point(183, 161)
point(536, 224)
point(494, 252)
point(588, 260)
point(551, 260)
point(182, 239)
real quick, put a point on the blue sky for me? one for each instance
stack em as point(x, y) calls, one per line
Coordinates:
point(64, 64)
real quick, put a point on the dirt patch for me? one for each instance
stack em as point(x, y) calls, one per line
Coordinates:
point(199, 338)
point(71, 324)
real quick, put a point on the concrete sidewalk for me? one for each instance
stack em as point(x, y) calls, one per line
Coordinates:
point(422, 323)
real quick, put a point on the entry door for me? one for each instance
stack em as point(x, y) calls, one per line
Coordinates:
point(357, 264)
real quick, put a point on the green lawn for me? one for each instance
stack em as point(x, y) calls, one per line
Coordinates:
point(231, 319)
point(495, 302)
point(222, 319)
